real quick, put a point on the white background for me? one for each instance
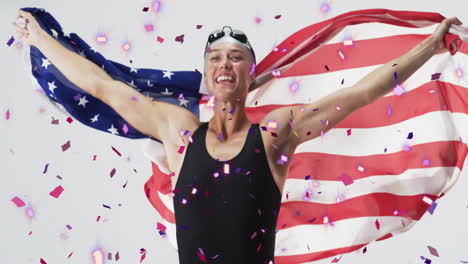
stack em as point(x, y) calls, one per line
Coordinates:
point(28, 141)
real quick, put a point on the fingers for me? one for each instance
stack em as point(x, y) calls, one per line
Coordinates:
point(453, 20)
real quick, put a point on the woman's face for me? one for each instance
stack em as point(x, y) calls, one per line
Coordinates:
point(227, 71)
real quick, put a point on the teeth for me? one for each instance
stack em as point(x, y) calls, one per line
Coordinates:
point(224, 77)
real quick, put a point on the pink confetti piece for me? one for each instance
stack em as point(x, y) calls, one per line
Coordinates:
point(97, 219)
point(43, 261)
point(7, 114)
point(277, 16)
point(109, 256)
point(69, 227)
point(117, 256)
point(252, 69)
point(56, 192)
point(377, 224)
point(364, 250)
point(180, 39)
point(125, 185)
point(159, 39)
point(324, 7)
point(426, 162)
point(69, 120)
point(112, 173)
point(145, 9)
point(149, 27)
point(54, 121)
point(10, 41)
point(346, 179)
point(45, 169)
point(125, 129)
point(18, 202)
point(258, 20)
point(143, 254)
point(69, 255)
point(181, 149)
point(161, 227)
point(116, 151)
point(199, 26)
point(433, 251)
point(94, 157)
point(348, 132)
point(66, 146)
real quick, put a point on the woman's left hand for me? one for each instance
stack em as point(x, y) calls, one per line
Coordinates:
point(439, 34)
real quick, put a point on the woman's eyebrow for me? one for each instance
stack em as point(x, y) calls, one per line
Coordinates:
point(232, 50)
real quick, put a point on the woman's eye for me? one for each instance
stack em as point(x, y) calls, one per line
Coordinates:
point(214, 58)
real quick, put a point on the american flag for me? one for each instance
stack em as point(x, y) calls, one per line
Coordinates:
point(374, 175)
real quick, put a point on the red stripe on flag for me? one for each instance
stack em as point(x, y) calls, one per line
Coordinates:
point(374, 204)
point(328, 167)
point(416, 102)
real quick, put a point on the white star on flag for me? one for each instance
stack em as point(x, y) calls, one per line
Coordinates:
point(133, 70)
point(113, 130)
point(54, 33)
point(131, 84)
point(167, 74)
point(150, 84)
point(183, 101)
point(166, 92)
point(83, 101)
point(95, 118)
point(51, 86)
point(45, 63)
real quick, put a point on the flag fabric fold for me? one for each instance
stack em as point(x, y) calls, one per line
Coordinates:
point(372, 176)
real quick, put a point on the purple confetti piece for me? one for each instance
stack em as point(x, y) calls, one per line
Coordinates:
point(433, 251)
point(410, 135)
point(427, 261)
point(45, 169)
point(180, 38)
point(395, 75)
point(10, 41)
point(432, 207)
point(66, 146)
point(426, 162)
point(69, 227)
point(307, 177)
point(106, 206)
point(112, 173)
point(77, 97)
point(232, 111)
point(220, 136)
point(277, 16)
point(435, 76)
point(398, 90)
point(125, 129)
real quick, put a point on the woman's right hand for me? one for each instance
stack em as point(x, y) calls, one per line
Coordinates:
point(31, 32)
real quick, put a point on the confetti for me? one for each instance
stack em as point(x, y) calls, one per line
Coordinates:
point(18, 202)
point(66, 146)
point(199, 26)
point(432, 208)
point(125, 129)
point(126, 46)
point(68, 227)
point(395, 75)
point(149, 27)
point(116, 151)
point(346, 179)
point(341, 54)
point(181, 149)
point(10, 41)
point(272, 124)
point(258, 20)
point(194, 191)
point(348, 42)
point(277, 16)
point(156, 6)
point(377, 224)
point(97, 219)
point(54, 121)
point(112, 173)
point(389, 110)
point(98, 256)
point(145, 9)
point(56, 192)
point(180, 39)
point(398, 90)
point(326, 67)
point(45, 169)
point(427, 261)
point(426, 162)
point(117, 256)
point(160, 39)
point(101, 39)
point(324, 7)
point(348, 132)
point(360, 168)
point(161, 227)
point(43, 261)
point(125, 185)
point(69, 255)
point(294, 86)
point(106, 206)
point(276, 73)
point(69, 120)
point(459, 72)
point(435, 76)
point(226, 168)
point(252, 69)
point(364, 250)
point(433, 251)
point(410, 135)
point(7, 114)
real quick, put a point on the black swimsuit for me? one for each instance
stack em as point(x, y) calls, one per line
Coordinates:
point(226, 211)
